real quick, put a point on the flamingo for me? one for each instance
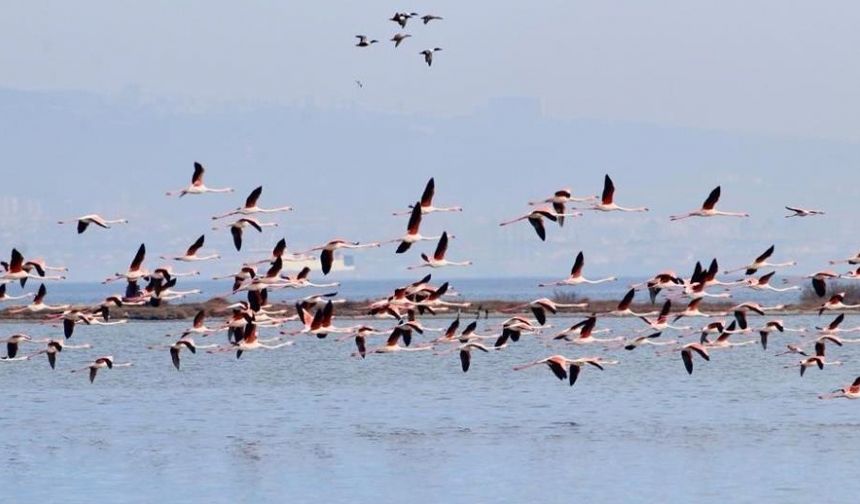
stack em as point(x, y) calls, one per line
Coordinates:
point(428, 55)
point(13, 342)
point(466, 354)
point(190, 255)
point(280, 251)
point(761, 262)
point(237, 227)
point(661, 323)
point(248, 341)
point(427, 202)
point(576, 277)
point(771, 326)
point(833, 327)
point(558, 201)
point(391, 345)
point(197, 186)
point(708, 209)
point(623, 307)
point(135, 269)
point(85, 221)
point(539, 307)
point(687, 355)
point(763, 283)
point(251, 207)
point(818, 359)
point(848, 392)
point(102, 362)
point(328, 249)
point(6, 297)
point(585, 333)
point(853, 275)
point(363, 42)
point(412, 232)
point(836, 302)
point(557, 364)
point(53, 349)
point(536, 217)
point(802, 212)
point(692, 310)
point(198, 326)
point(607, 203)
point(39, 304)
point(18, 269)
point(646, 340)
point(819, 280)
point(438, 260)
point(854, 260)
point(302, 281)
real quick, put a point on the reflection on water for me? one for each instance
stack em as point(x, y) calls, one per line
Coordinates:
point(309, 423)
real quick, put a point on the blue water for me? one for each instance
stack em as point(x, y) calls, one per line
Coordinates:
point(310, 424)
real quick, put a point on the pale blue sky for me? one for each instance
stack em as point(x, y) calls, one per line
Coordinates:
point(671, 98)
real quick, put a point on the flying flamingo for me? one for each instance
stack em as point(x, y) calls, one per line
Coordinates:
point(661, 323)
point(853, 275)
point(848, 392)
point(558, 201)
point(327, 254)
point(819, 281)
point(539, 307)
point(85, 221)
point(301, 281)
point(558, 363)
point(135, 270)
point(466, 353)
point(761, 262)
point(191, 254)
point(692, 310)
point(197, 186)
point(646, 340)
point(438, 260)
point(391, 345)
point(586, 333)
point(576, 277)
point(708, 209)
point(623, 307)
point(248, 341)
point(536, 217)
point(833, 327)
point(17, 269)
point(607, 203)
point(763, 283)
point(53, 349)
point(818, 359)
point(412, 232)
point(771, 326)
point(100, 363)
point(426, 202)
point(237, 227)
point(687, 355)
point(251, 207)
point(802, 212)
point(39, 304)
point(363, 42)
point(854, 260)
point(836, 302)
point(7, 297)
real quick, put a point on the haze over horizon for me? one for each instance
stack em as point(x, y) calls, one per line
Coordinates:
point(107, 113)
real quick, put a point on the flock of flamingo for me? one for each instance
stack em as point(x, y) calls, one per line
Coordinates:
point(314, 315)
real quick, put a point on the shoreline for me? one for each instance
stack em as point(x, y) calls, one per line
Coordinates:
point(358, 310)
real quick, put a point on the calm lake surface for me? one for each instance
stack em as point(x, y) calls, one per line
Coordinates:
point(308, 423)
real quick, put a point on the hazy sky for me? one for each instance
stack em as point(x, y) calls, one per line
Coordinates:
point(105, 105)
